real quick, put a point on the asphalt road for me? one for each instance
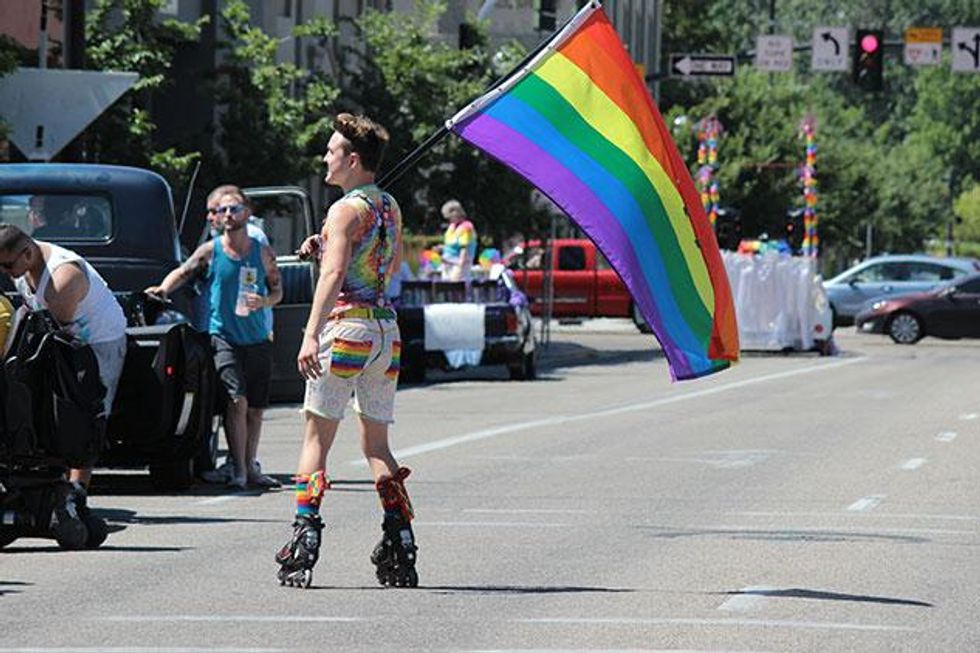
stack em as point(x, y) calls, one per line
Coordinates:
point(792, 503)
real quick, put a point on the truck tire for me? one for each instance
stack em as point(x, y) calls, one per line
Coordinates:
point(523, 368)
point(172, 476)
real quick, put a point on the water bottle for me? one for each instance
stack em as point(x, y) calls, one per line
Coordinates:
point(246, 286)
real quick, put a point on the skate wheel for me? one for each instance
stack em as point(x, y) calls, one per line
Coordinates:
point(307, 578)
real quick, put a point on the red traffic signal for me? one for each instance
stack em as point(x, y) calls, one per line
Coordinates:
point(869, 59)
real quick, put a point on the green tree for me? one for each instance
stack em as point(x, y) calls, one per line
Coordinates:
point(276, 113)
point(11, 54)
point(412, 82)
point(128, 35)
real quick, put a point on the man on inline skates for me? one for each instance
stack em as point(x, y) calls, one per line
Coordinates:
point(351, 346)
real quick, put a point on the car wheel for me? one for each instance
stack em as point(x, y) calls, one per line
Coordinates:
point(523, 368)
point(172, 476)
point(905, 328)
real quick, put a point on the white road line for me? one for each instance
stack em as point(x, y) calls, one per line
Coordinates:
point(220, 499)
point(139, 649)
point(946, 436)
point(602, 413)
point(867, 503)
point(912, 463)
point(496, 524)
point(746, 599)
point(968, 416)
point(225, 618)
point(763, 623)
point(508, 511)
point(915, 516)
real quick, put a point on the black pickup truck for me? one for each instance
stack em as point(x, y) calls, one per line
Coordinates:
point(286, 216)
point(121, 220)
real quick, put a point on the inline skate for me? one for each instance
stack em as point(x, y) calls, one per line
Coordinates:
point(394, 556)
point(298, 556)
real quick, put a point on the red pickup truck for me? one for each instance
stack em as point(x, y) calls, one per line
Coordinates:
point(584, 283)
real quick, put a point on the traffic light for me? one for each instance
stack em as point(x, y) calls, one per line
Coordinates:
point(869, 58)
point(547, 15)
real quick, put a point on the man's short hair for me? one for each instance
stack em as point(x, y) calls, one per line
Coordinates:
point(451, 208)
point(228, 189)
point(11, 237)
point(363, 136)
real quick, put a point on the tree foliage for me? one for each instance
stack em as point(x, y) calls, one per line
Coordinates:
point(412, 81)
point(275, 113)
point(128, 35)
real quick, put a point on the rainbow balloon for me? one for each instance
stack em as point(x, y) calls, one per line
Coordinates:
point(578, 122)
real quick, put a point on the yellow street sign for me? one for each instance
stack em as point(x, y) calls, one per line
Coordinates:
point(924, 35)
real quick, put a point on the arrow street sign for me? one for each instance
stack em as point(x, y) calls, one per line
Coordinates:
point(965, 45)
point(923, 46)
point(829, 48)
point(702, 65)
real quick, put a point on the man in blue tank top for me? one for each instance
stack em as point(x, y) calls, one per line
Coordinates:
point(242, 280)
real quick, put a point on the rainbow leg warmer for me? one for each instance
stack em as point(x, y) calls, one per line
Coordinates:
point(309, 492)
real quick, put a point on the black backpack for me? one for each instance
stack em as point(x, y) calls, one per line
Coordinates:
point(53, 398)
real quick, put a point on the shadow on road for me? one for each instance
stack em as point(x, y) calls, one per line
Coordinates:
point(823, 595)
point(662, 532)
point(4, 584)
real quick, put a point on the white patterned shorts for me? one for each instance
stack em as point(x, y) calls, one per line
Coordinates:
point(359, 357)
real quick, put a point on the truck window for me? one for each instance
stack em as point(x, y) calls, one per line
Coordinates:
point(283, 220)
point(571, 258)
point(57, 217)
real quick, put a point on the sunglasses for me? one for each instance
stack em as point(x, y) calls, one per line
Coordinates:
point(9, 265)
point(231, 208)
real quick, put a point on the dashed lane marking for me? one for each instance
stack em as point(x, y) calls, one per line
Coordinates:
point(946, 436)
point(864, 504)
point(912, 463)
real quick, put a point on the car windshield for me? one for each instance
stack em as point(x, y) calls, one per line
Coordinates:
point(57, 217)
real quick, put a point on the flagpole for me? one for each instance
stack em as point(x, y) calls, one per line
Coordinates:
point(390, 176)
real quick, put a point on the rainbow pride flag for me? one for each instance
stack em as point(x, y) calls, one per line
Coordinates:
point(579, 124)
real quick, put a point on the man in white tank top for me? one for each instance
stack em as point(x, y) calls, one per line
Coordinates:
point(59, 280)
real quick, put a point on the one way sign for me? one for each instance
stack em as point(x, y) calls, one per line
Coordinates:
point(702, 65)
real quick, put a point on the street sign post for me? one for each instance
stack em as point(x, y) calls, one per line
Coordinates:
point(774, 53)
point(702, 65)
point(965, 45)
point(923, 46)
point(829, 48)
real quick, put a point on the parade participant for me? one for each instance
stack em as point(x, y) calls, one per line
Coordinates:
point(242, 279)
point(58, 280)
point(351, 346)
point(459, 243)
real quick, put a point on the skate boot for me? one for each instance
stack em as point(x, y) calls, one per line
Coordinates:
point(394, 556)
point(298, 556)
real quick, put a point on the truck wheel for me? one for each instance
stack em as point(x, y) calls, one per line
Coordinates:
point(6, 538)
point(174, 475)
point(523, 368)
point(413, 366)
point(638, 320)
